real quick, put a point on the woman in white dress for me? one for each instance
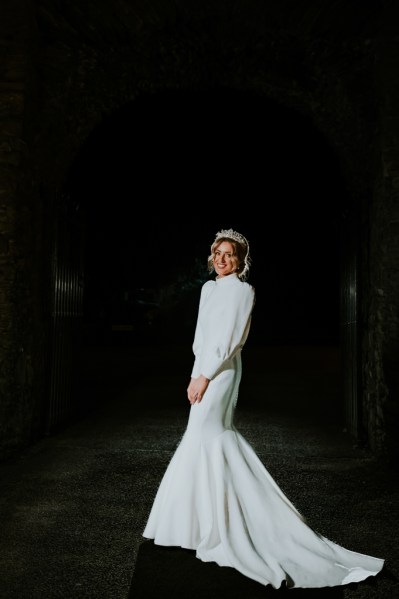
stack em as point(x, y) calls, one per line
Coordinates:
point(216, 496)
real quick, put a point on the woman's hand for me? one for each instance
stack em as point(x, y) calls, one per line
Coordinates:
point(197, 388)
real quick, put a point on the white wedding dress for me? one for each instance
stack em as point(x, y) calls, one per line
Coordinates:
point(216, 496)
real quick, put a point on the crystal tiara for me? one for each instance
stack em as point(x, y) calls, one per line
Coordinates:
point(231, 234)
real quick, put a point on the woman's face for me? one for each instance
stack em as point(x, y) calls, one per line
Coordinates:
point(223, 261)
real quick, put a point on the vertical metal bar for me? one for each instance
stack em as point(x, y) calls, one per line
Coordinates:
point(350, 324)
point(67, 308)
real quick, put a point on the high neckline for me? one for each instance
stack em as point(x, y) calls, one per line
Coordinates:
point(224, 280)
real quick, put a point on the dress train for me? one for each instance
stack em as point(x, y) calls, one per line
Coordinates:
point(217, 498)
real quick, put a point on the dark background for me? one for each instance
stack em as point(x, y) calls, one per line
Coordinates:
point(159, 178)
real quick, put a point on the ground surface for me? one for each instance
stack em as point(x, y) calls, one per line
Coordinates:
point(74, 505)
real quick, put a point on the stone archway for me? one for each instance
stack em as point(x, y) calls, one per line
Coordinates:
point(82, 73)
point(269, 172)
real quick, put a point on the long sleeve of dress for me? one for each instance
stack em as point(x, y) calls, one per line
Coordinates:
point(223, 324)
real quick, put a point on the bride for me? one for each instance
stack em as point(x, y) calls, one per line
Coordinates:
point(216, 496)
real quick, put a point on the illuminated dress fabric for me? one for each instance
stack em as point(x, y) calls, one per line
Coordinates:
point(216, 496)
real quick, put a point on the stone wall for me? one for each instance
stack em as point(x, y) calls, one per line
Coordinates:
point(381, 341)
point(22, 364)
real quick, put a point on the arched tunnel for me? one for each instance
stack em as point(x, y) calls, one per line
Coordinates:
point(142, 136)
point(154, 184)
